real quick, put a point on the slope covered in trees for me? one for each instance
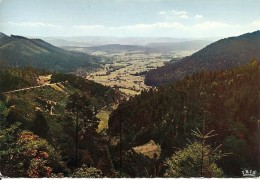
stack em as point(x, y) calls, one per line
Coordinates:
point(18, 51)
point(14, 78)
point(223, 54)
point(39, 128)
point(227, 101)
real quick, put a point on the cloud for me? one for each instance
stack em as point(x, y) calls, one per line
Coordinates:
point(184, 16)
point(32, 24)
point(202, 29)
point(174, 14)
point(135, 1)
point(86, 27)
point(198, 16)
point(256, 24)
point(152, 26)
point(179, 13)
point(89, 29)
point(162, 13)
point(125, 28)
point(211, 25)
point(168, 27)
point(215, 28)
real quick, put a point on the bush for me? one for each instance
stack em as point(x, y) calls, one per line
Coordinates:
point(85, 172)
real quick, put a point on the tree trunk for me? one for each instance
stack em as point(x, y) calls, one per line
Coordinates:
point(76, 140)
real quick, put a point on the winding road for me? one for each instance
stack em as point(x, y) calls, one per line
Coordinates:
point(33, 87)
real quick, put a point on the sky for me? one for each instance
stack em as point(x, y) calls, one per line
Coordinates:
point(129, 18)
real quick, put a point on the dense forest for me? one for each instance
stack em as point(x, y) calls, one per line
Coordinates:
point(206, 125)
point(18, 51)
point(223, 54)
point(224, 101)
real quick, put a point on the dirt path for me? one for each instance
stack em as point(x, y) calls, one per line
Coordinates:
point(33, 87)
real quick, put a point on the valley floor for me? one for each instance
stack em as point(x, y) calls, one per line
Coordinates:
point(127, 70)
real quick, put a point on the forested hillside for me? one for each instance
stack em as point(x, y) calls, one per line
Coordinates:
point(18, 51)
point(41, 128)
point(224, 101)
point(223, 54)
point(14, 78)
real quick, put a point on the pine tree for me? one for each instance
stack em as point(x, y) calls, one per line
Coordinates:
point(196, 160)
point(79, 106)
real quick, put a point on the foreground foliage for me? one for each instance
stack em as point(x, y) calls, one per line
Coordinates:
point(196, 160)
point(187, 163)
point(24, 154)
point(87, 172)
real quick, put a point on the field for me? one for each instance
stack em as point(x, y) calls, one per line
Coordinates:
point(126, 71)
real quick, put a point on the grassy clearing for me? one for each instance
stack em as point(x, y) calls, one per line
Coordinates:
point(149, 149)
point(103, 115)
point(57, 88)
point(129, 92)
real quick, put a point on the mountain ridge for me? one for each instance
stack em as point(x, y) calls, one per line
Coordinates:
point(120, 47)
point(223, 54)
point(19, 51)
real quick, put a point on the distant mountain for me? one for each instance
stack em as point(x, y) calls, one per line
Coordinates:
point(2, 35)
point(223, 54)
point(162, 47)
point(180, 46)
point(62, 42)
point(147, 40)
point(18, 51)
point(121, 48)
point(153, 47)
point(103, 40)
